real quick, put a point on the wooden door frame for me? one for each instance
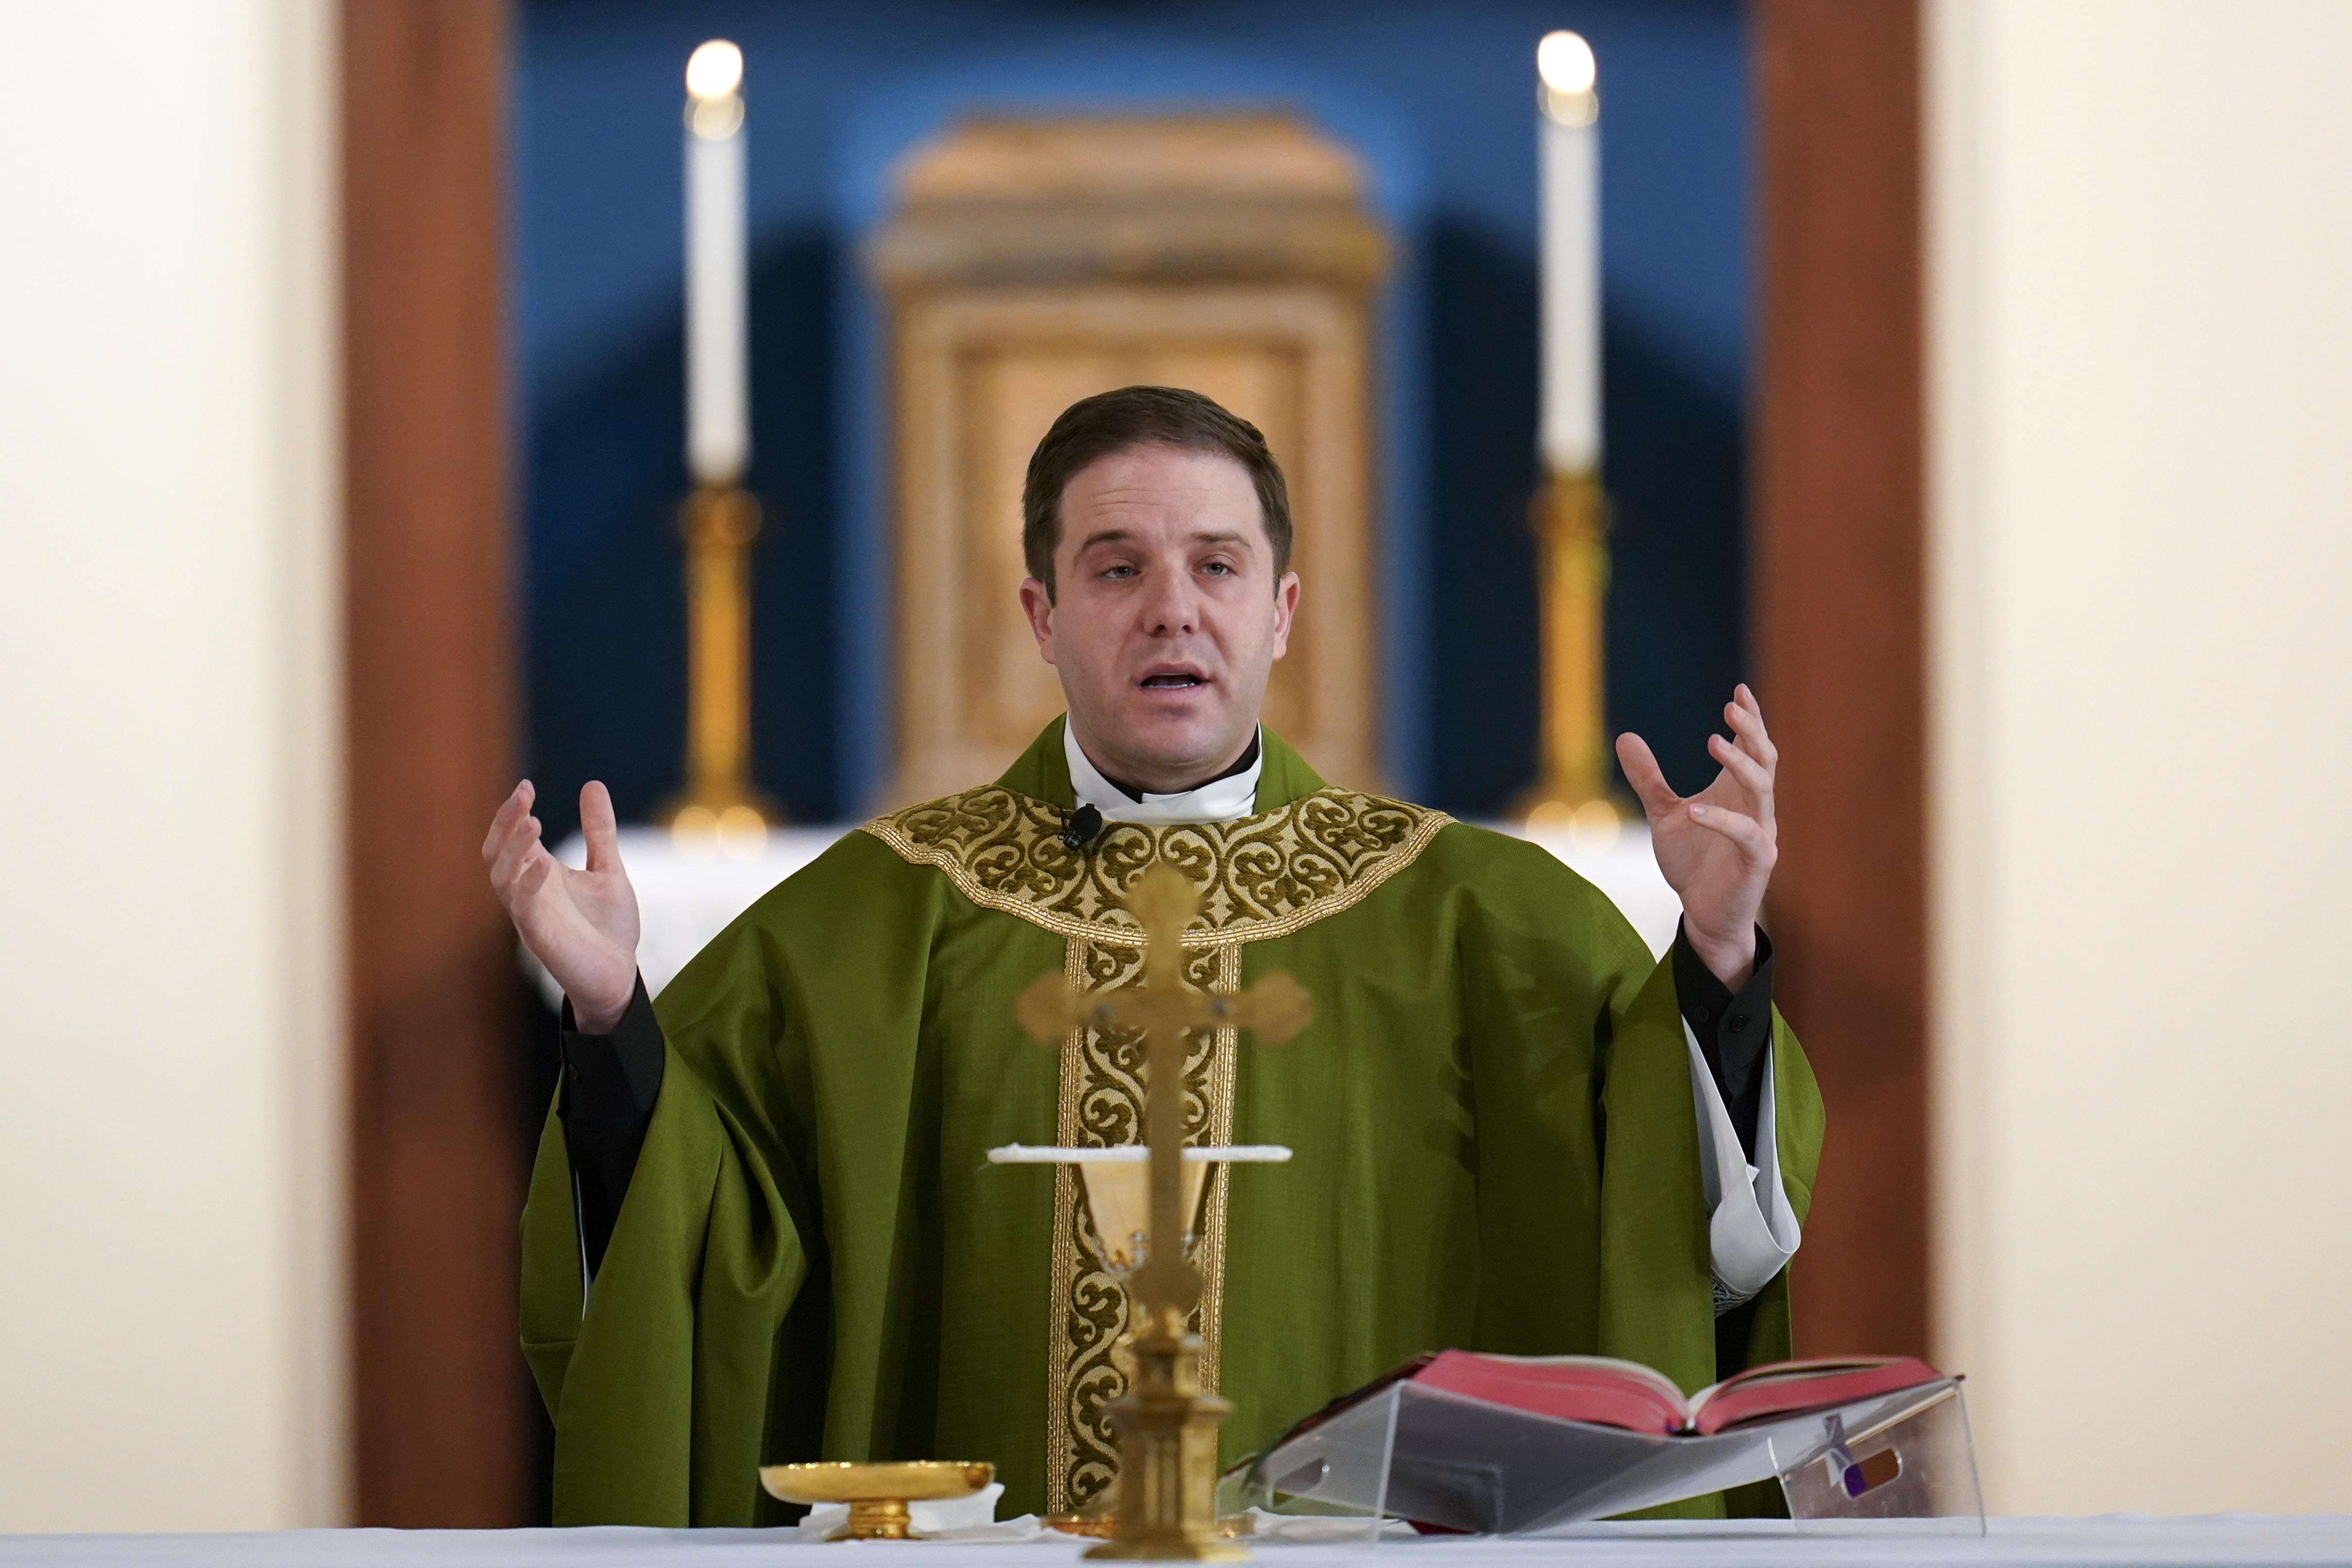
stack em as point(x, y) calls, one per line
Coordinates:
point(1838, 552)
point(438, 1435)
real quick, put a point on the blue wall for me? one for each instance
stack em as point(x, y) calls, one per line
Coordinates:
point(1440, 101)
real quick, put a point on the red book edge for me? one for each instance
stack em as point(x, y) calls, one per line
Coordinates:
point(1601, 1394)
point(1794, 1387)
point(1782, 1388)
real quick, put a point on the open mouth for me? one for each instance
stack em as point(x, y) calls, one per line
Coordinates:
point(1169, 682)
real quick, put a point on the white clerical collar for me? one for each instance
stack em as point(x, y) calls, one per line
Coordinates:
point(1218, 801)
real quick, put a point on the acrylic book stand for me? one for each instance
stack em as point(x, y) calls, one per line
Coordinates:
point(1447, 1459)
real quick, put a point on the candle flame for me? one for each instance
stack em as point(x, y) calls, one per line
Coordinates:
point(716, 69)
point(1563, 60)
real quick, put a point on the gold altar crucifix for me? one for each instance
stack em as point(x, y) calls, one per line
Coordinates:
point(1167, 1428)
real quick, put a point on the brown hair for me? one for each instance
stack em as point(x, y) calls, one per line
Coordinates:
point(1108, 423)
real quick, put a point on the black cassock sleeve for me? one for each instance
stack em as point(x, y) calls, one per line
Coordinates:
point(606, 1100)
point(1733, 1030)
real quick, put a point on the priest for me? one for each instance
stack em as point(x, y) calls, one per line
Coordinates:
point(762, 1227)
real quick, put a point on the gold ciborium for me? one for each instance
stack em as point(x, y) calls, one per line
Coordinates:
point(878, 1494)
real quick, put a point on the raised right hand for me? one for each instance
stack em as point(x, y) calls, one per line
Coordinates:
point(582, 924)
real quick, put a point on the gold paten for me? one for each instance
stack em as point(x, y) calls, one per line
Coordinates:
point(1166, 1426)
point(878, 1494)
point(719, 806)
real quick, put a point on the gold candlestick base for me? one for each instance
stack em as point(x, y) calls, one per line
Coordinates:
point(1105, 1525)
point(1168, 1460)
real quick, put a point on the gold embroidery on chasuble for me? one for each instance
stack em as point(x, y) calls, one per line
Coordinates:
point(1261, 876)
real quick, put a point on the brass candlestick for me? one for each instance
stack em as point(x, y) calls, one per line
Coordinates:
point(1117, 1183)
point(1167, 1428)
point(720, 802)
point(1569, 515)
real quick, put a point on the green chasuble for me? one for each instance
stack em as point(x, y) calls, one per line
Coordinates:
point(1491, 1114)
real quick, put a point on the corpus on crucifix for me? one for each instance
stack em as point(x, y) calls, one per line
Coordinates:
point(764, 1229)
point(1166, 1426)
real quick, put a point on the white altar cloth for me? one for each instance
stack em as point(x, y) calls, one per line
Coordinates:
point(684, 900)
point(2111, 1540)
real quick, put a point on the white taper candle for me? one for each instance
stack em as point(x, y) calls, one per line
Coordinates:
point(1569, 156)
point(718, 375)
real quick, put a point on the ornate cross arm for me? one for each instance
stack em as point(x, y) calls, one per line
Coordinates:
point(1275, 1009)
point(1164, 900)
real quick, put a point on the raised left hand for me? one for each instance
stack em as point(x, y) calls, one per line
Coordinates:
point(1718, 847)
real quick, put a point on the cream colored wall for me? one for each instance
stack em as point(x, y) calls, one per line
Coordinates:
point(170, 1193)
point(2141, 295)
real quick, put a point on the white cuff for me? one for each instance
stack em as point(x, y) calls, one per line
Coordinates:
point(1752, 1230)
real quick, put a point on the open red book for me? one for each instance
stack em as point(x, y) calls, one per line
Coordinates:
point(1466, 1440)
point(1613, 1393)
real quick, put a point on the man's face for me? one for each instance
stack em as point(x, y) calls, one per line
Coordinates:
point(1166, 617)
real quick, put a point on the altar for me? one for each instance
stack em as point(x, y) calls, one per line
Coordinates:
point(2214, 1540)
